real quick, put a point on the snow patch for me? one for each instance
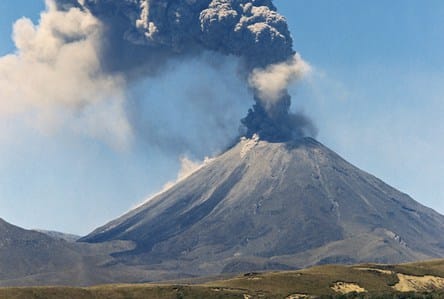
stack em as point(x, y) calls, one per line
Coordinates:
point(347, 287)
point(388, 272)
point(299, 296)
point(410, 283)
point(395, 237)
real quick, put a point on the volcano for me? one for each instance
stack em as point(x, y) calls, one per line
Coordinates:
point(263, 205)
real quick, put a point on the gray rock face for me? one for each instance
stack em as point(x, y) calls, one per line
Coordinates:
point(264, 205)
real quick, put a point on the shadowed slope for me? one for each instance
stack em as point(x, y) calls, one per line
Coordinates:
point(28, 257)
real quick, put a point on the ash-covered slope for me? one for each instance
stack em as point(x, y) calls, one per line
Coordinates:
point(264, 205)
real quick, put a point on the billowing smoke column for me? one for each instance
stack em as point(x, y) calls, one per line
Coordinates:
point(141, 36)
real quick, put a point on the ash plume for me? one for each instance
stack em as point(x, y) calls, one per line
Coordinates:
point(141, 36)
point(78, 64)
point(55, 77)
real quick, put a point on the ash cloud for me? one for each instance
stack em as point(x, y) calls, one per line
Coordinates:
point(55, 79)
point(142, 36)
point(84, 55)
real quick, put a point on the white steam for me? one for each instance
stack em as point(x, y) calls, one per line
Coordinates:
point(187, 168)
point(271, 83)
point(55, 77)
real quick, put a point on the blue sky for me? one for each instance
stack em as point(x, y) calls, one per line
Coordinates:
point(376, 94)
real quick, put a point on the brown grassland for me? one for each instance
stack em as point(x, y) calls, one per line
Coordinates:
point(421, 280)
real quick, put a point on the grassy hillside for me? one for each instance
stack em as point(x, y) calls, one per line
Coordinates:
point(414, 280)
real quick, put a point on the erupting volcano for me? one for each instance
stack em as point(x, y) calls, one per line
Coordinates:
point(276, 199)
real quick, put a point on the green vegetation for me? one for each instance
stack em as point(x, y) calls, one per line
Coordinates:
point(332, 281)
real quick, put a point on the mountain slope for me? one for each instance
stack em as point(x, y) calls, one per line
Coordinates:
point(267, 205)
point(28, 257)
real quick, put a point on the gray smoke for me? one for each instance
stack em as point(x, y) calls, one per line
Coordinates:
point(141, 36)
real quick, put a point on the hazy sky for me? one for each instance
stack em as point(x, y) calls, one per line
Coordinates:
point(376, 94)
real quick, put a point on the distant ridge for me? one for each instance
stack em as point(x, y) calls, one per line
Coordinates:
point(31, 258)
point(59, 235)
point(26, 252)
